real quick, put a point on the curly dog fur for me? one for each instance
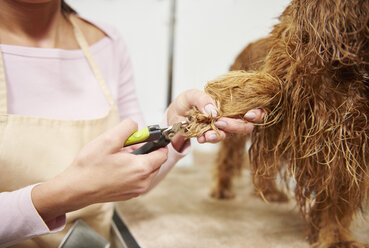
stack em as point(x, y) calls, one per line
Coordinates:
point(311, 76)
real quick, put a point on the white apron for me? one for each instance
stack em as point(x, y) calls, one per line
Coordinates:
point(34, 149)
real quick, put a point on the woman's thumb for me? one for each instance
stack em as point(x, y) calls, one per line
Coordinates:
point(114, 138)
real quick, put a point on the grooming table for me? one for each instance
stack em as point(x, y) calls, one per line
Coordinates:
point(179, 213)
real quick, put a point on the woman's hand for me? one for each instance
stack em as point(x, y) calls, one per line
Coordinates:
point(203, 102)
point(102, 172)
point(231, 125)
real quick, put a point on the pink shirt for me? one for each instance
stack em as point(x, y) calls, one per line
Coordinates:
point(66, 89)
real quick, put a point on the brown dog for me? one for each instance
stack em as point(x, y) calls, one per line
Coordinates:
point(312, 74)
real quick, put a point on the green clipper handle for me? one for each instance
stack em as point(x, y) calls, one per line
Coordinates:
point(147, 134)
point(138, 137)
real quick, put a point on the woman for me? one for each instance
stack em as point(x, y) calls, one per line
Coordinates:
point(65, 84)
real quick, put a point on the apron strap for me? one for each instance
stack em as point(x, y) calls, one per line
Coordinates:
point(87, 52)
point(3, 99)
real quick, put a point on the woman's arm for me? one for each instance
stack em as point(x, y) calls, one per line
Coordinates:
point(40, 209)
point(20, 220)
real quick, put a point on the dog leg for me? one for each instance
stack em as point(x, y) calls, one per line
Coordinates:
point(267, 187)
point(228, 164)
point(265, 170)
point(329, 231)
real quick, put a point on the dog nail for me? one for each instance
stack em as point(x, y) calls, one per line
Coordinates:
point(210, 109)
point(250, 115)
point(220, 124)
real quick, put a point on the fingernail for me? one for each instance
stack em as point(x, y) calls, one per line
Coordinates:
point(211, 110)
point(212, 137)
point(220, 124)
point(201, 139)
point(250, 115)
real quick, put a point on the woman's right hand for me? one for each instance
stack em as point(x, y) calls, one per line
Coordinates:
point(102, 172)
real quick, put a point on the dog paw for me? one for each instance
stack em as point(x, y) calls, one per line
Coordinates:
point(222, 194)
point(343, 244)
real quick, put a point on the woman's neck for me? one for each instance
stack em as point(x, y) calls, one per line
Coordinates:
point(34, 24)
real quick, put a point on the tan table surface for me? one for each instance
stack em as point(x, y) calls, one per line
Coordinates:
point(179, 213)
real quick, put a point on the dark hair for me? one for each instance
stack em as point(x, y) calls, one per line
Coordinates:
point(66, 9)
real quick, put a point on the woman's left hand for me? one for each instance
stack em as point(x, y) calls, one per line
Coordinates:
point(204, 103)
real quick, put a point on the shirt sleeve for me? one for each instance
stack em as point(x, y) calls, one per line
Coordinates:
point(20, 220)
point(173, 157)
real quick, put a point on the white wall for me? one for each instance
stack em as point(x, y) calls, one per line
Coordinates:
point(209, 34)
